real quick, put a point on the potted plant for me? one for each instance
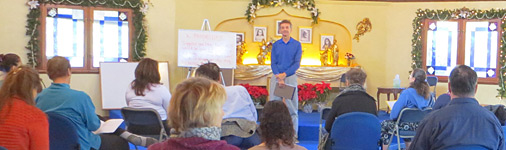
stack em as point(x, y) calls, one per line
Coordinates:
point(258, 94)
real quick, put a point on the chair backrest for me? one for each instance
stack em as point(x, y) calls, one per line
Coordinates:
point(432, 80)
point(324, 113)
point(2, 148)
point(342, 82)
point(142, 117)
point(62, 133)
point(412, 114)
point(355, 130)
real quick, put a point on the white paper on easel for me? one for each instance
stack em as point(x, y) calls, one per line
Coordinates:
point(108, 126)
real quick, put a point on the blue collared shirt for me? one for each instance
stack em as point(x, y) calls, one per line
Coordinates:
point(239, 104)
point(462, 122)
point(285, 57)
point(75, 106)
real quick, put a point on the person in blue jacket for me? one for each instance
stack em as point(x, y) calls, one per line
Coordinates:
point(416, 96)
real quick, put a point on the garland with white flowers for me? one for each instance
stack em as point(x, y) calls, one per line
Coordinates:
point(139, 8)
point(255, 5)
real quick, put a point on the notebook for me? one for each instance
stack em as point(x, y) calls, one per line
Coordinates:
point(286, 92)
point(108, 126)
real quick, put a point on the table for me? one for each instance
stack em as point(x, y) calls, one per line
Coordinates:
point(388, 91)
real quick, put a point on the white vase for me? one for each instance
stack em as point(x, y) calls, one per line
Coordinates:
point(308, 108)
point(321, 105)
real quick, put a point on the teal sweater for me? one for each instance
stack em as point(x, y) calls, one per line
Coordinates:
point(77, 107)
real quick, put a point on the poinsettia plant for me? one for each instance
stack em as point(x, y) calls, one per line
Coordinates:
point(309, 93)
point(258, 94)
point(323, 91)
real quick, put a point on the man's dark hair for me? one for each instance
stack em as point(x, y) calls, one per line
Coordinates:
point(286, 21)
point(463, 81)
point(209, 70)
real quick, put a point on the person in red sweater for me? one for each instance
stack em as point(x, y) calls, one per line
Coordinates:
point(195, 114)
point(22, 125)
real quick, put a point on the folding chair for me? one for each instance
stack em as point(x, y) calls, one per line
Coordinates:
point(342, 82)
point(147, 118)
point(355, 130)
point(432, 80)
point(408, 115)
point(323, 116)
point(62, 133)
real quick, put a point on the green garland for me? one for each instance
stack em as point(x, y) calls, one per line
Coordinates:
point(463, 13)
point(299, 4)
point(140, 36)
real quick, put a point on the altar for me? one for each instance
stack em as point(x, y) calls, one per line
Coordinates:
point(259, 75)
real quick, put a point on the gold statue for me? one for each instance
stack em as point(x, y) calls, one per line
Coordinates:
point(241, 50)
point(334, 53)
point(265, 52)
point(363, 27)
point(324, 56)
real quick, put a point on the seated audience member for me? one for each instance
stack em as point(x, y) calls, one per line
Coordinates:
point(276, 128)
point(8, 62)
point(146, 91)
point(353, 98)
point(416, 96)
point(239, 122)
point(195, 115)
point(442, 101)
point(77, 107)
point(463, 122)
point(22, 125)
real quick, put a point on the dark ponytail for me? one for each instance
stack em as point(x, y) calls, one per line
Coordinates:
point(421, 86)
point(8, 60)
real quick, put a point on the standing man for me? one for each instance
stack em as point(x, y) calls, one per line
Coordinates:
point(463, 122)
point(285, 60)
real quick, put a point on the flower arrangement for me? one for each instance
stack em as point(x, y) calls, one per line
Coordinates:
point(258, 94)
point(309, 93)
point(322, 91)
point(349, 57)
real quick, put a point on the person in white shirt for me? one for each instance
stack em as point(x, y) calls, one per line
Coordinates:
point(146, 91)
point(240, 112)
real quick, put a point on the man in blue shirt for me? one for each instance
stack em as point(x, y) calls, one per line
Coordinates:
point(285, 60)
point(78, 108)
point(463, 122)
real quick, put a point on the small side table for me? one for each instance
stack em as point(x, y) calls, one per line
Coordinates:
point(388, 91)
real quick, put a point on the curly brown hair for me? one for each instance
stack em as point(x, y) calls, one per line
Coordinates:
point(276, 125)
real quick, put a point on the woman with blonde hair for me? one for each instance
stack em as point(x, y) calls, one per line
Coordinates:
point(195, 115)
point(22, 125)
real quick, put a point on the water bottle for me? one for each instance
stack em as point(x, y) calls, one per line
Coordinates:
point(397, 81)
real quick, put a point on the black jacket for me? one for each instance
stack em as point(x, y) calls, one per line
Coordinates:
point(352, 101)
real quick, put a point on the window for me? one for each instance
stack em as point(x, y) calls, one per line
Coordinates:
point(85, 35)
point(474, 43)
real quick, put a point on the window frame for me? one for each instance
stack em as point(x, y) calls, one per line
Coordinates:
point(461, 47)
point(88, 35)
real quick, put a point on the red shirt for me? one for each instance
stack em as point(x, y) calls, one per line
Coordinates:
point(25, 127)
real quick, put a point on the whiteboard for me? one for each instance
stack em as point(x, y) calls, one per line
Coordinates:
point(197, 47)
point(115, 78)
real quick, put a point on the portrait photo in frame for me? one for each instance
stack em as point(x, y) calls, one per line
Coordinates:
point(259, 33)
point(305, 34)
point(326, 41)
point(239, 38)
point(278, 22)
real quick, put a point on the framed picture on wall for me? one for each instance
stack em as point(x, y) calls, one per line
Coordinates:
point(305, 34)
point(326, 40)
point(239, 38)
point(259, 33)
point(278, 22)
